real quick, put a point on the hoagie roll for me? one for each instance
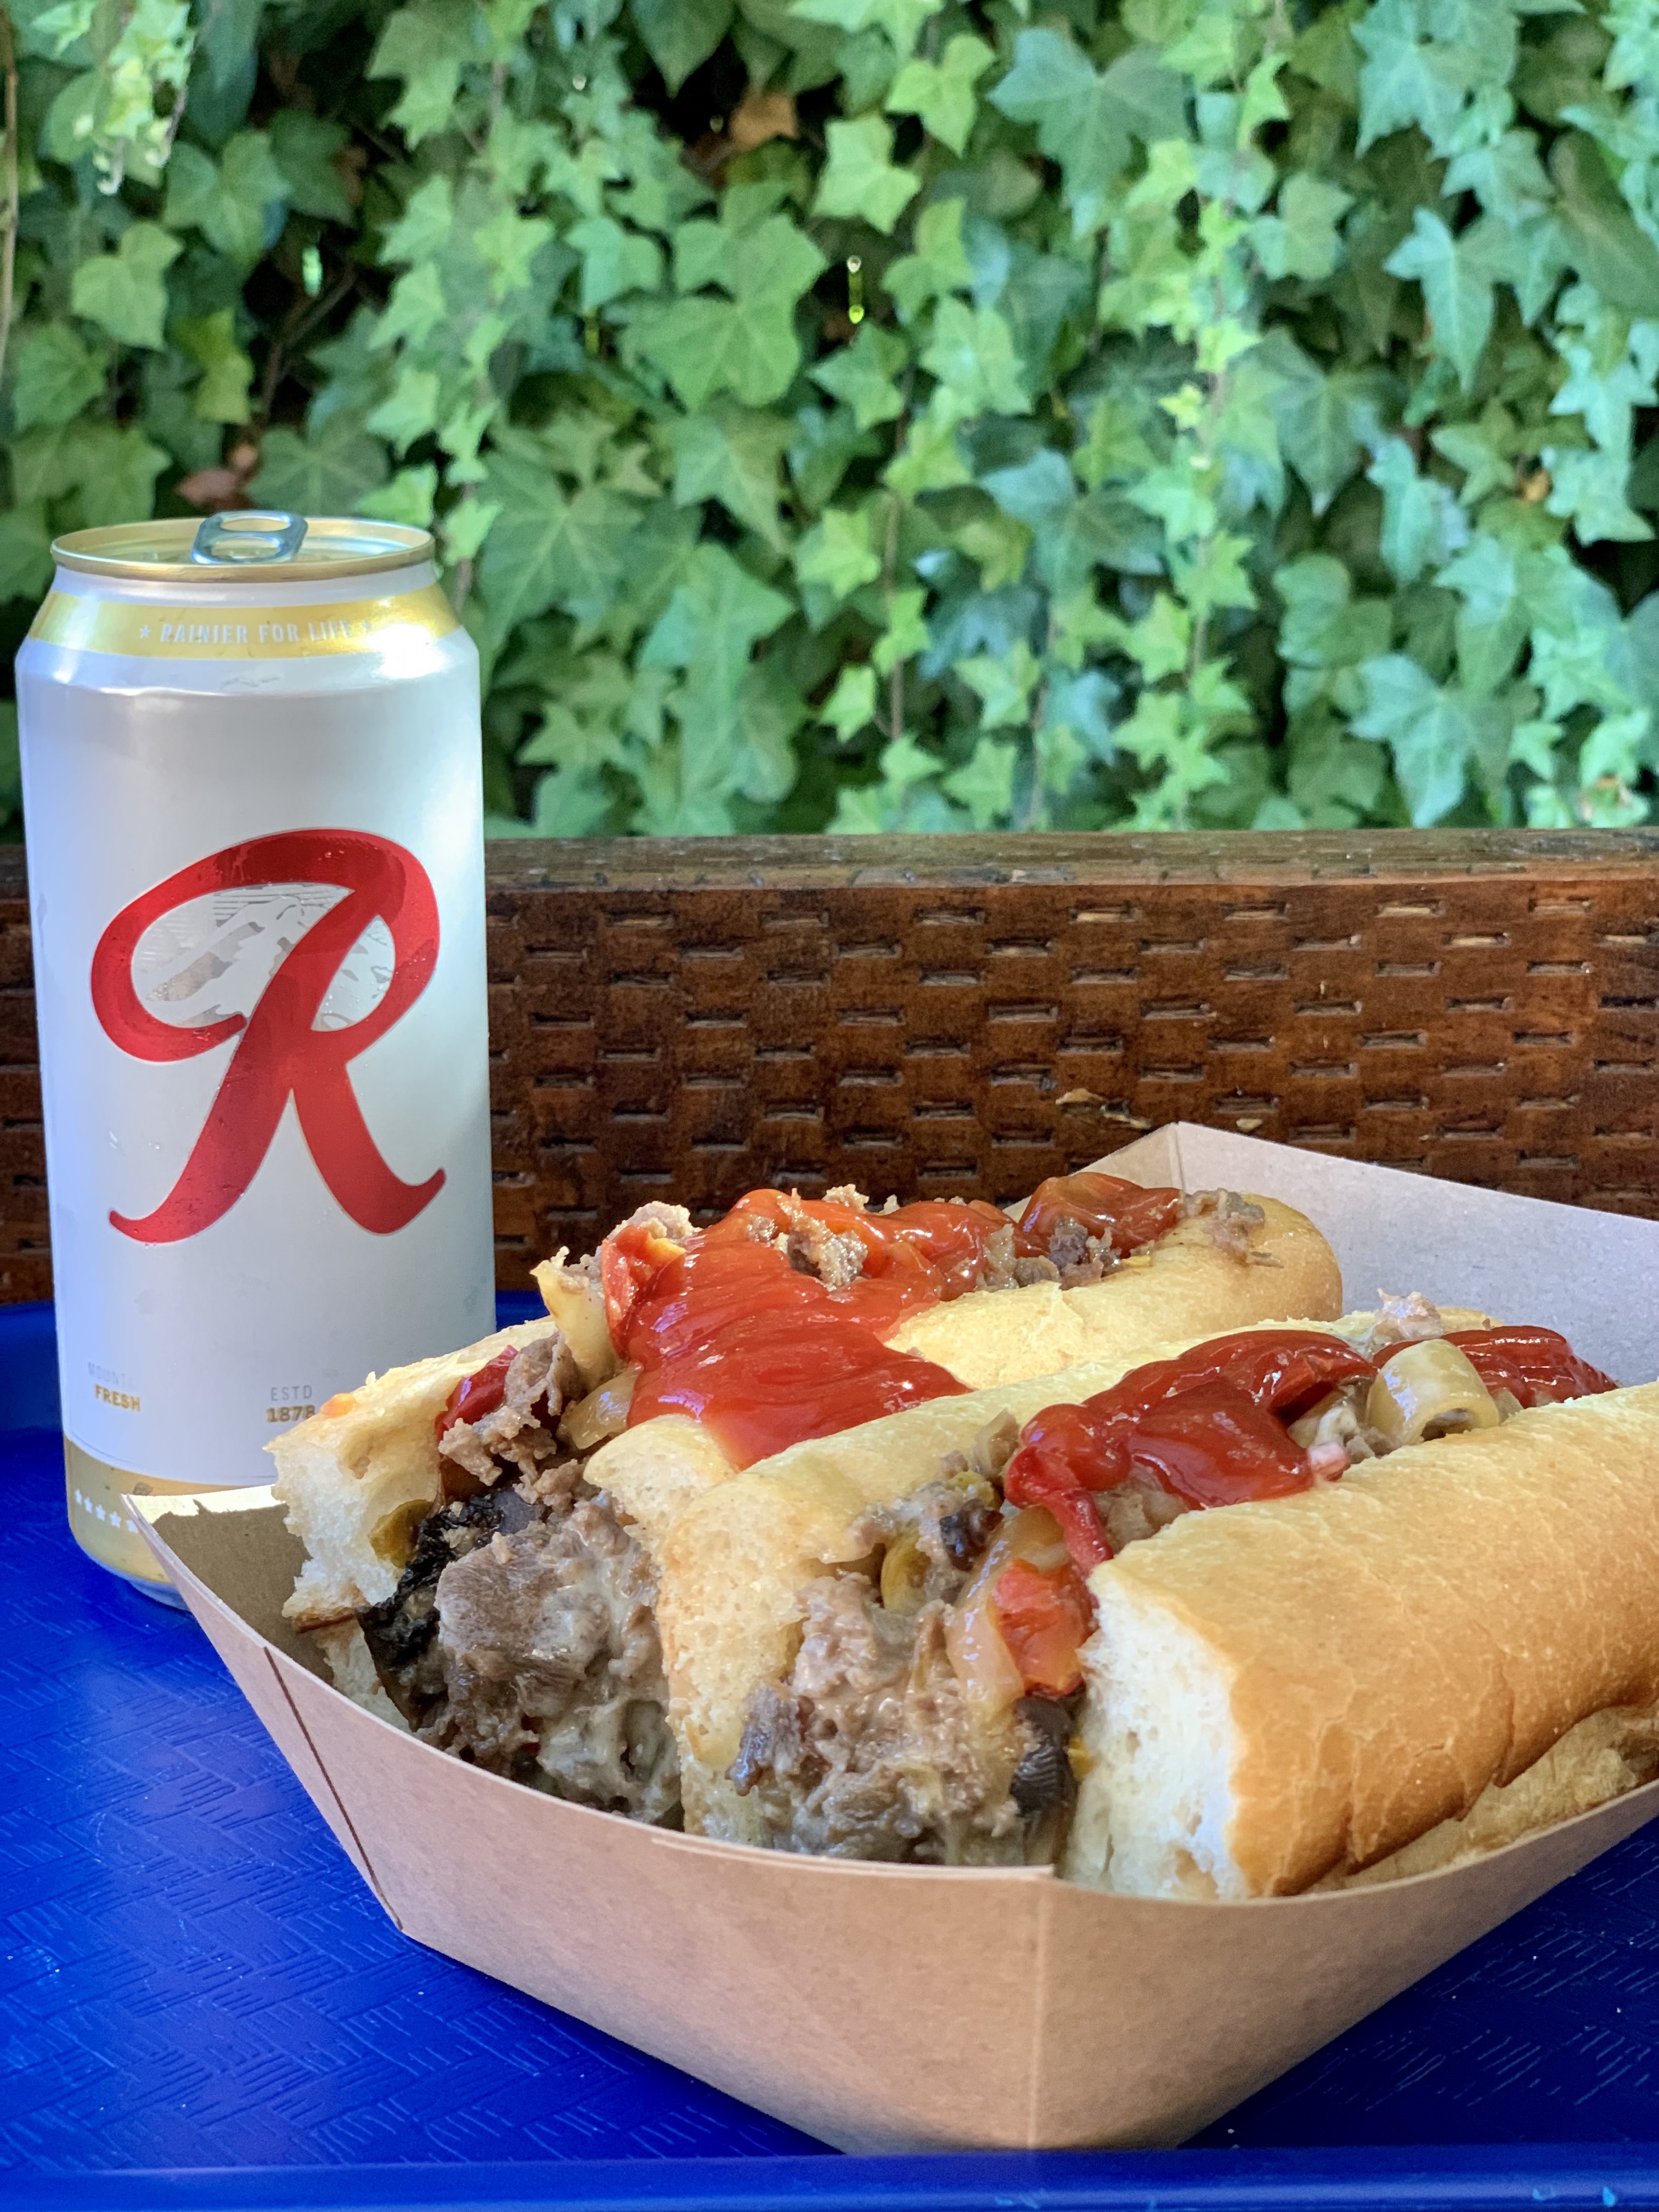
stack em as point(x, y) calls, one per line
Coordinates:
point(1424, 1624)
point(882, 1644)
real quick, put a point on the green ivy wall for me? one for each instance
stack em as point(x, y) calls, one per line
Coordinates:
point(896, 414)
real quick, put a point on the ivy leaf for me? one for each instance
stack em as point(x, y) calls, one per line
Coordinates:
point(210, 342)
point(861, 375)
point(1324, 625)
point(411, 410)
point(1213, 575)
point(997, 544)
point(122, 292)
point(57, 374)
point(1115, 449)
point(942, 93)
point(1403, 82)
point(1494, 618)
point(26, 562)
point(409, 498)
point(1590, 488)
point(680, 34)
point(1083, 704)
point(704, 345)
point(1004, 683)
point(426, 46)
point(836, 557)
point(731, 453)
point(614, 261)
point(825, 443)
point(306, 150)
point(415, 310)
point(929, 460)
point(326, 473)
point(1038, 493)
point(1457, 289)
point(1323, 422)
point(1485, 450)
point(861, 178)
point(243, 213)
point(1423, 525)
point(426, 225)
point(906, 634)
point(708, 628)
point(1429, 731)
point(117, 471)
point(851, 707)
point(985, 782)
point(901, 20)
point(544, 549)
point(508, 243)
point(972, 354)
point(1301, 238)
point(939, 264)
point(1087, 119)
point(1607, 244)
point(1160, 642)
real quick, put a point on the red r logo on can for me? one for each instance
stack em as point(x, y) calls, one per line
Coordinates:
point(283, 1055)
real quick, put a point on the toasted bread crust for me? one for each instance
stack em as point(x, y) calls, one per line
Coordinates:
point(1182, 1286)
point(1376, 1656)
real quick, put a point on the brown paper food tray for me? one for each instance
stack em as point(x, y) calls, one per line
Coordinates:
point(907, 2008)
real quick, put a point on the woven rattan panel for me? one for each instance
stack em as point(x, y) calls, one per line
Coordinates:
point(926, 1015)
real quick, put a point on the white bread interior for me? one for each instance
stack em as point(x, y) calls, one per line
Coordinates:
point(735, 1561)
point(341, 1473)
point(1375, 1677)
point(1182, 1286)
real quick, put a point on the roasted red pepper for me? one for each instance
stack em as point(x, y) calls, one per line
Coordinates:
point(1044, 1614)
point(476, 1394)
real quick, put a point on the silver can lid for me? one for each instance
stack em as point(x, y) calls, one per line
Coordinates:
point(247, 544)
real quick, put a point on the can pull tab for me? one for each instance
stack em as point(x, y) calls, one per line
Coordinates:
point(256, 534)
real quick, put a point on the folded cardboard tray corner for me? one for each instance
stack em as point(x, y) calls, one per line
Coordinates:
point(904, 2009)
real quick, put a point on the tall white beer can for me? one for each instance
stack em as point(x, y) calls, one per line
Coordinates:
point(253, 807)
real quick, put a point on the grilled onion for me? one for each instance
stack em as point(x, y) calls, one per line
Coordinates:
point(603, 1412)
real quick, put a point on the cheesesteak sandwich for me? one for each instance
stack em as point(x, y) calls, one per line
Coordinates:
point(1013, 1625)
point(552, 1458)
point(1292, 1607)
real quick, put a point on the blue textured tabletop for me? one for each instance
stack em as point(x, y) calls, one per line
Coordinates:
point(193, 1977)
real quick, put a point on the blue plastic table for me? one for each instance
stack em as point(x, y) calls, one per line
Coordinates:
point(202, 2006)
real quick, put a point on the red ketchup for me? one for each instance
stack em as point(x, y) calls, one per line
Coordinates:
point(1105, 1205)
point(1535, 1366)
point(1212, 1426)
point(726, 1330)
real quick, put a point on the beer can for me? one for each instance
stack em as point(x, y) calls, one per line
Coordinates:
point(254, 810)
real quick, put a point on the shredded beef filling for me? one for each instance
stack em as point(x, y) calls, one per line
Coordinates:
point(867, 1751)
point(521, 1635)
point(868, 1748)
point(552, 1670)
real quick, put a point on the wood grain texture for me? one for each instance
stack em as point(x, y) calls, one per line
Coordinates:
point(688, 1019)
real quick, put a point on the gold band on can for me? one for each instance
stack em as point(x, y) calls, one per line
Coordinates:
point(102, 1527)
